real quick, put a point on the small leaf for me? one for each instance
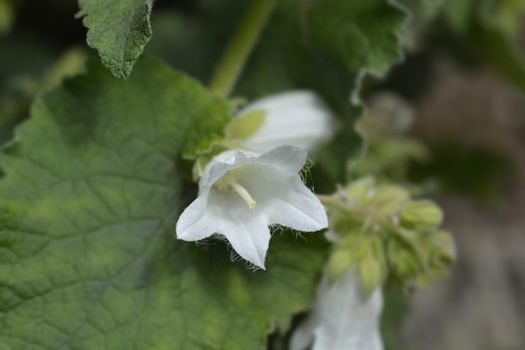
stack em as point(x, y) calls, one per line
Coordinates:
point(118, 29)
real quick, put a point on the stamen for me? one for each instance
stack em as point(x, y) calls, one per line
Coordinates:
point(244, 194)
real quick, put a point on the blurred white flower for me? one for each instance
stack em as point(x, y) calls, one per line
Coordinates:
point(241, 193)
point(344, 318)
point(290, 118)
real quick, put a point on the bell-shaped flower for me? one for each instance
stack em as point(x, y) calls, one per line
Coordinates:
point(344, 317)
point(290, 118)
point(242, 193)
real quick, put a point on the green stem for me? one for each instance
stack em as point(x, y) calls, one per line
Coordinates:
point(242, 43)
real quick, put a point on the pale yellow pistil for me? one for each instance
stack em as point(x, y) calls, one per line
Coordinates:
point(244, 194)
point(229, 182)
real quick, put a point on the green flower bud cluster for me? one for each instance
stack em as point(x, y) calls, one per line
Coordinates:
point(386, 236)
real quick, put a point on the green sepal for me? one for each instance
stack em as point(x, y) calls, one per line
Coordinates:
point(444, 243)
point(372, 269)
point(350, 250)
point(204, 158)
point(403, 260)
point(388, 200)
point(360, 190)
point(421, 215)
point(245, 125)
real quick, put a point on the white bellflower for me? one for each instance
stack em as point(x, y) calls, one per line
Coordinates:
point(242, 193)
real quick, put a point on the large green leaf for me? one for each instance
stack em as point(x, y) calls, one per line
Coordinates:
point(356, 35)
point(118, 29)
point(328, 46)
point(88, 205)
point(308, 40)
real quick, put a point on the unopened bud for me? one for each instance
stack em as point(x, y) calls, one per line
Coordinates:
point(421, 215)
point(372, 273)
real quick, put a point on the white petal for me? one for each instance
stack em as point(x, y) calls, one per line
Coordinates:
point(343, 318)
point(250, 239)
point(283, 100)
point(195, 222)
point(292, 118)
point(298, 208)
point(226, 214)
point(246, 229)
point(220, 165)
point(284, 199)
point(289, 159)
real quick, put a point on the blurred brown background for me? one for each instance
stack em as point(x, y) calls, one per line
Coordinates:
point(481, 306)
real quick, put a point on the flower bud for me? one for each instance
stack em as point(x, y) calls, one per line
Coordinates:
point(350, 250)
point(360, 191)
point(444, 245)
point(371, 273)
point(372, 269)
point(421, 215)
point(389, 199)
point(403, 261)
point(340, 261)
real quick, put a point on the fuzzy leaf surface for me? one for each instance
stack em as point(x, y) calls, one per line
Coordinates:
point(88, 205)
point(119, 30)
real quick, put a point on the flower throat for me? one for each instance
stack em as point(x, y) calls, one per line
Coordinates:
point(229, 182)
